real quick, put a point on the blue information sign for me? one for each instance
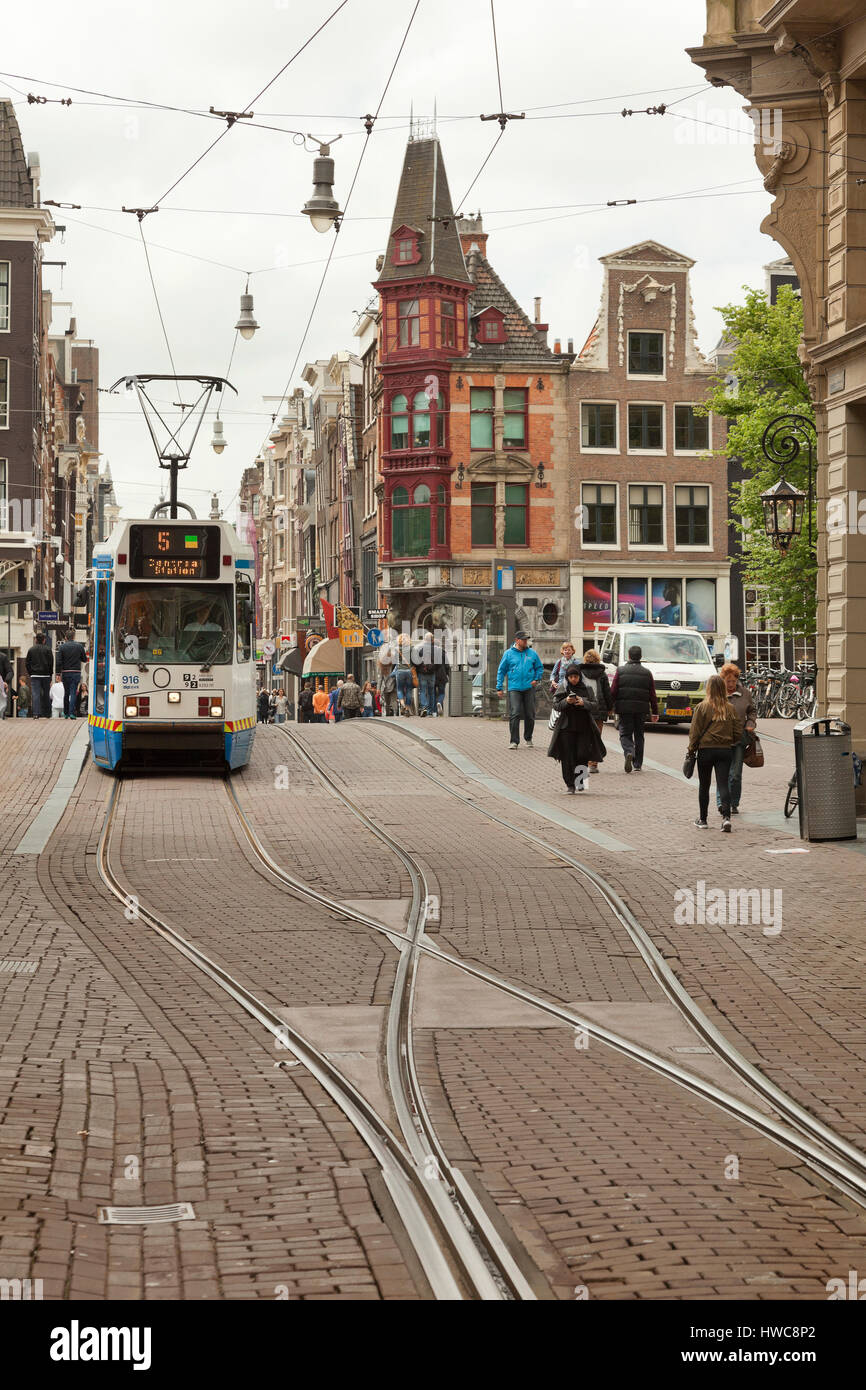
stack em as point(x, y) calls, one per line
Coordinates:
point(47, 617)
point(374, 637)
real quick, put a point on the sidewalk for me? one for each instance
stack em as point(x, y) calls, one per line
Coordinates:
point(788, 990)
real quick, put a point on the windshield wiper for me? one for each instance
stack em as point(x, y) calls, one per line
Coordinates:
point(206, 665)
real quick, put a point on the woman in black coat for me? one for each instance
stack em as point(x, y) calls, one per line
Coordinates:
point(576, 741)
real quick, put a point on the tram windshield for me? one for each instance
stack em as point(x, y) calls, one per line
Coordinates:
point(174, 623)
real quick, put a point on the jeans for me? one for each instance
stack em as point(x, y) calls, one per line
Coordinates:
point(41, 698)
point(720, 759)
point(71, 682)
point(631, 737)
point(735, 776)
point(404, 686)
point(279, 719)
point(367, 713)
point(427, 693)
point(521, 704)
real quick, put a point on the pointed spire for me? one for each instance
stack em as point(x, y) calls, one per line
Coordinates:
point(424, 205)
point(16, 184)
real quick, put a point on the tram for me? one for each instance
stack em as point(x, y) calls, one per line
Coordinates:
point(173, 637)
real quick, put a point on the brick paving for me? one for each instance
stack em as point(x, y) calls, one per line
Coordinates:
point(795, 1003)
point(126, 1078)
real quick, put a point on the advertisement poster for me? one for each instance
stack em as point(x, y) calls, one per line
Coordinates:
point(667, 601)
point(701, 604)
point(633, 593)
point(596, 602)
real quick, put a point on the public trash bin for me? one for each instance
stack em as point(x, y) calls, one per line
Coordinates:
point(825, 773)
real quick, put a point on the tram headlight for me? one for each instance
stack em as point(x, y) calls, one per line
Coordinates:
point(216, 709)
point(130, 709)
point(174, 697)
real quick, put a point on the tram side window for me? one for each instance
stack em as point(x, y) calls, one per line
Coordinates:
point(101, 645)
point(244, 613)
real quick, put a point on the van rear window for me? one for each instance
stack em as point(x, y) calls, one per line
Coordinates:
point(669, 647)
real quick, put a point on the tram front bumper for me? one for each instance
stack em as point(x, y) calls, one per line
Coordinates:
point(164, 735)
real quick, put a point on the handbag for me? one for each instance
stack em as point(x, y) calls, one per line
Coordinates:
point(689, 764)
point(754, 754)
point(554, 719)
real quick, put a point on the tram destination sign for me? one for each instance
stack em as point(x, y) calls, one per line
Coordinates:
point(186, 551)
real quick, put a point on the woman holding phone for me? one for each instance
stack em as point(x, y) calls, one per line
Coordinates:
point(576, 741)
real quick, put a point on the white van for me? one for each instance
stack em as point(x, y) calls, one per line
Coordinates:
point(678, 657)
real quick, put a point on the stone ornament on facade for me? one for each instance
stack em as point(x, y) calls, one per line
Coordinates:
point(534, 578)
point(476, 574)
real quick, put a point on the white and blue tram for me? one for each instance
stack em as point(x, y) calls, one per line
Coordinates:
point(173, 646)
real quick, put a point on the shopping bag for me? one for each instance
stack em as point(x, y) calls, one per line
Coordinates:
point(754, 754)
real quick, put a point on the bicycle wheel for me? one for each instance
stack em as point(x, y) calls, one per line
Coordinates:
point(788, 701)
point(792, 797)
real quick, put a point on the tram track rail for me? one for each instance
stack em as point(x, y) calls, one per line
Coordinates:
point(801, 1134)
point(453, 1267)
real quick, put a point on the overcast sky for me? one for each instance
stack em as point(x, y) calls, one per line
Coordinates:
point(571, 57)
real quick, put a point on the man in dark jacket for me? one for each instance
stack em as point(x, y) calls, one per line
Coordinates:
point(305, 704)
point(71, 656)
point(40, 665)
point(7, 674)
point(633, 691)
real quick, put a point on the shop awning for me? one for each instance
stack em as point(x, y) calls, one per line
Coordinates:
point(327, 658)
point(291, 662)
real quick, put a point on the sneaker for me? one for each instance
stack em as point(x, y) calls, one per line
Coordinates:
point(423, 714)
point(528, 743)
point(439, 707)
point(735, 810)
point(514, 745)
point(569, 791)
point(636, 768)
point(701, 824)
point(726, 826)
point(629, 762)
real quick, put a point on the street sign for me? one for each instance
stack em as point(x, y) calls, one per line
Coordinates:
point(504, 577)
point(375, 615)
point(375, 637)
point(352, 637)
point(268, 648)
point(48, 617)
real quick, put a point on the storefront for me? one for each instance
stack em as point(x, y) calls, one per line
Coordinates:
point(694, 598)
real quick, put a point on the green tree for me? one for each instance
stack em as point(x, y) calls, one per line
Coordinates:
point(768, 382)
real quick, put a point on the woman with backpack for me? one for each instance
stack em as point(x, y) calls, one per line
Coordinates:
point(715, 730)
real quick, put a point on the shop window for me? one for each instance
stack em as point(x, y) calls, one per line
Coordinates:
point(481, 417)
point(483, 511)
point(596, 602)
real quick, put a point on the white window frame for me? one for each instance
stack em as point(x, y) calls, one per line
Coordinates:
point(4, 493)
point(637, 545)
point(647, 376)
point(691, 453)
point(7, 326)
point(655, 453)
point(694, 549)
point(601, 482)
point(590, 448)
point(4, 412)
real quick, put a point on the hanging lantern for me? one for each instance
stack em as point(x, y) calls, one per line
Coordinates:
point(783, 514)
point(218, 442)
point(246, 324)
point(322, 208)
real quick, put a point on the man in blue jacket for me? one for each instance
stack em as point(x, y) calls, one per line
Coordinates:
point(522, 668)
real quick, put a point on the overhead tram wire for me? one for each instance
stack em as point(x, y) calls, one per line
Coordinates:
point(156, 296)
point(327, 266)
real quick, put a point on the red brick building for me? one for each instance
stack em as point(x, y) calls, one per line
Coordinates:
point(650, 499)
point(474, 524)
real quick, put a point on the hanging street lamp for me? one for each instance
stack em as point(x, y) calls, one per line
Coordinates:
point(246, 324)
point(322, 208)
point(218, 442)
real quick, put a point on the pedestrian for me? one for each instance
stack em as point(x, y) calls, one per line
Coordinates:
point(377, 699)
point(320, 705)
point(593, 672)
point(368, 705)
point(262, 706)
point(576, 742)
point(522, 668)
point(715, 729)
point(39, 662)
point(305, 704)
point(633, 692)
point(424, 664)
point(82, 699)
point(335, 714)
point(281, 707)
point(742, 702)
point(388, 693)
point(6, 675)
point(405, 676)
point(442, 677)
point(350, 700)
point(23, 698)
point(4, 697)
point(71, 656)
point(272, 706)
point(557, 675)
point(57, 696)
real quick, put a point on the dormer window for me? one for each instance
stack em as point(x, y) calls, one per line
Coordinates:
point(405, 249)
point(489, 327)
